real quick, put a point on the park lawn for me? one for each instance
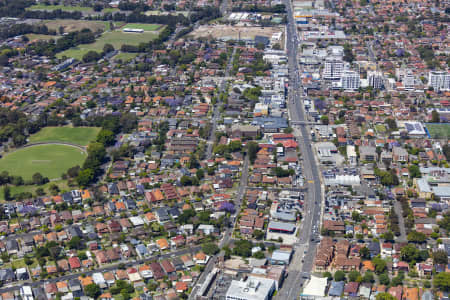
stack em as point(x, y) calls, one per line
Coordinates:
point(75, 52)
point(18, 263)
point(75, 135)
point(49, 160)
point(124, 56)
point(145, 27)
point(61, 7)
point(62, 185)
point(115, 38)
point(380, 128)
point(438, 131)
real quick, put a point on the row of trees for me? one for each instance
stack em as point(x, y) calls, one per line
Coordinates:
point(72, 39)
point(20, 29)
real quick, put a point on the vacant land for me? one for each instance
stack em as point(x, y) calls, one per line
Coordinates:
point(145, 27)
point(164, 13)
point(41, 37)
point(116, 38)
point(438, 131)
point(69, 8)
point(234, 32)
point(76, 135)
point(76, 25)
point(61, 7)
point(49, 160)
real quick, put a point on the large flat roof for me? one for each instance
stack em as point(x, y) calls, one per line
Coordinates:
point(281, 226)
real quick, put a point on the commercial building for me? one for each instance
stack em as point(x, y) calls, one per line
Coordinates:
point(439, 80)
point(254, 288)
point(375, 80)
point(333, 69)
point(350, 80)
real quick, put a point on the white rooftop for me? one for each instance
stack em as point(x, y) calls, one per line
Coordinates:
point(254, 288)
point(315, 287)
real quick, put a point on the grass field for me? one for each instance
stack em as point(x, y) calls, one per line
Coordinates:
point(116, 38)
point(76, 135)
point(145, 27)
point(50, 160)
point(438, 131)
point(125, 56)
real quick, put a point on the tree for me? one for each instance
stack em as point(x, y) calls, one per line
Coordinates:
point(339, 276)
point(98, 7)
point(73, 172)
point(385, 296)
point(252, 150)
point(106, 137)
point(325, 120)
point(348, 53)
point(235, 146)
point(446, 151)
point(414, 171)
point(398, 280)
point(364, 252)
point(440, 257)
point(258, 234)
point(259, 255)
point(445, 222)
point(327, 275)
point(92, 290)
point(442, 281)
point(54, 189)
point(435, 118)
point(75, 243)
point(388, 236)
point(243, 248)
point(85, 177)
point(379, 265)
point(38, 179)
point(368, 277)
point(416, 237)
point(356, 216)
point(384, 279)
point(7, 193)
point(354, 276)
point(409, 253)
point(210, 248)
point(40, 191)
point(91, 56)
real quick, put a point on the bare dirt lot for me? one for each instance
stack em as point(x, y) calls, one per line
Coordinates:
point(75, 25)
point(232, 32)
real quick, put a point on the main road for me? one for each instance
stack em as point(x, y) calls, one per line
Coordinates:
point(305, 247)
